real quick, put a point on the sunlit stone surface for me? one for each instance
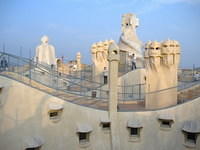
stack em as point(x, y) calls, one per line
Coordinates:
point(129, 41)
point(45, 53)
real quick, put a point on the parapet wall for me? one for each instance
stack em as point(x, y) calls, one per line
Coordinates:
point(24, 112)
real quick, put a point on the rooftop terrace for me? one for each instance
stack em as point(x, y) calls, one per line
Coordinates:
point(78, 90)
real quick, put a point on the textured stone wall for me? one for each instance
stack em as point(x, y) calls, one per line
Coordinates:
point(161, 63)
point(99, 52)
point(24, 112)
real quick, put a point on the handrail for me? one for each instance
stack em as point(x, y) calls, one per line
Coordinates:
point(32, 68)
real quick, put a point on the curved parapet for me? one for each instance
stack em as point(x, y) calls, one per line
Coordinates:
point(33, 113)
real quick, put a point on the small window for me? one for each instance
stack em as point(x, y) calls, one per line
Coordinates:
point(134, 132)
point(94, 94)
point(105, 79)
point(83, 137)
point(191, 139)
point(83, 132)
point(191, 130)
point(166, 123)
point(105, 125)
point(53, 114)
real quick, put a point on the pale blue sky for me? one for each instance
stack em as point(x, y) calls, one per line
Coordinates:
point(73, 25)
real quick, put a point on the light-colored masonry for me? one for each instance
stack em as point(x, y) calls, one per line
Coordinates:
point(133, 101)
point(24, 113)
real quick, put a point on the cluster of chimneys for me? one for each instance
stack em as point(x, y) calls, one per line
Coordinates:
point(163, 50)
point(101, 45)
point(168, 46)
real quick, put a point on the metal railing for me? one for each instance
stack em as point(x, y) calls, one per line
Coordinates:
point(131, 92)
point(27, 71)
